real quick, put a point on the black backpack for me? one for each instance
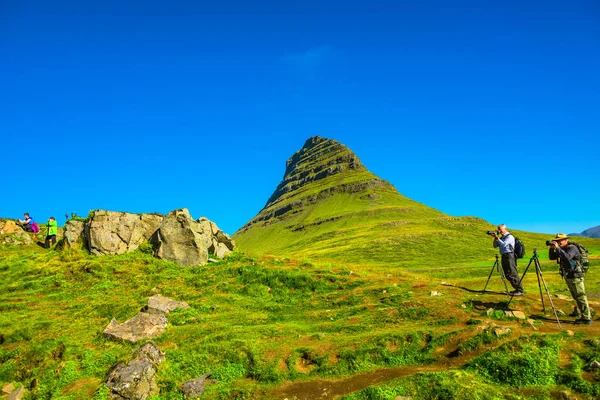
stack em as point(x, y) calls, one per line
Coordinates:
point(519, 248)
point(584, 260)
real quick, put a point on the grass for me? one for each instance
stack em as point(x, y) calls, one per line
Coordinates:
point(256, 323)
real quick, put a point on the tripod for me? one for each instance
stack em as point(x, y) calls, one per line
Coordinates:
point(500, 271)
point(540, 279)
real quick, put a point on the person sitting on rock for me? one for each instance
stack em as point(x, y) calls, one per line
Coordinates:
point(28, 224)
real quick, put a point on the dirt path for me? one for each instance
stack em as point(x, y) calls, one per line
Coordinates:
point(331, 389)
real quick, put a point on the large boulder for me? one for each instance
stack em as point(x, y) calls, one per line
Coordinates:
point(136, 380)
point(73, 232)
point(111, 232)
point(182, 240)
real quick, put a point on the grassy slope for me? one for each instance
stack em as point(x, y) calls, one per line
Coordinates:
point(257, 323)
point(389, 231)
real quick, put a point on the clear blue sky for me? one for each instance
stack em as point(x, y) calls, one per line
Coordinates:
point(483, 108)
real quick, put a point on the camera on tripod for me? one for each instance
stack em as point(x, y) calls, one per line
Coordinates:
point(491, 233)
point(549, 242)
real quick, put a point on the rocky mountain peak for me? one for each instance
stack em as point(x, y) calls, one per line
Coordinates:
point(319, 158)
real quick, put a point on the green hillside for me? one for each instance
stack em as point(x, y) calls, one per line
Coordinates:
point(329, 207)
point(271, 328)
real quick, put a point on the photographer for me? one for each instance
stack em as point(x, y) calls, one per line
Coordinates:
point(506, 243)
point(568, 257)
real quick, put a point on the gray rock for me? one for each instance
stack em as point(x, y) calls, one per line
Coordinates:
point(17, 238)
point(17, 394)
point(158, 304)
point(182, 240)
point(110, 232)
point(194, 388)
point(137, 379)
point(74, 232)
point(501, 331)
point(142, 326)
point(594, 365)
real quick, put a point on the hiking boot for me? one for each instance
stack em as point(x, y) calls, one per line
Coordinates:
point(583, 321)
point(517, 293)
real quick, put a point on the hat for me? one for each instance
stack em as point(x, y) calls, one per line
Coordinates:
point(560, 236)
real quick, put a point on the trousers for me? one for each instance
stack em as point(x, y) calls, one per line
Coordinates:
point(509, 266)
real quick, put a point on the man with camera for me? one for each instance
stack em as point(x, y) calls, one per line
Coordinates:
point(568, 257)
point(506, 243)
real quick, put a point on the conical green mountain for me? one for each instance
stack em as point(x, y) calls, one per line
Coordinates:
point(330, 207)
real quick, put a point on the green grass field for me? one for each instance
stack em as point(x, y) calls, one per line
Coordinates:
point(277, 327)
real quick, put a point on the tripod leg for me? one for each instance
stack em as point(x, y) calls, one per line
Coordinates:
point(537, 273)
point(521, 280)
point(489, 276)
point(539, 269)
point(503, 277)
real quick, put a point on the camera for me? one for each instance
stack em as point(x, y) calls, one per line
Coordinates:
point(491, 233)
point(549, 242)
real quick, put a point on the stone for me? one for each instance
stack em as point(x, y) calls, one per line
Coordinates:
point(9, 226)
point(194, 388)
point(73, 232)
point(111, 232)
point(136, 380)
point(158, 304)
point(515, 314)
point(142, 326)
point(435, 293)
point(530, 323)
point(563, 297)
point(182, 240)
point(17, 238)
point(489, 311)
point(17, 394)
point(594, 365)
point(8, 388)
point(501, 331)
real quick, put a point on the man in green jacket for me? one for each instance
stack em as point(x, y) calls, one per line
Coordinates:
point(52, 231)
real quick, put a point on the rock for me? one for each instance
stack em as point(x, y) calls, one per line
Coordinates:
point(74, 232)
point(17, 238)
point(137, 379)
point(563, 297)
point(489, 311)
point(158, 304)
point(515, 314)
point(594, 365)
point(8, 389)
point(142, 326)
point(435, 293)
point(182, 240)
point(17, 394)
point(501, 331)
point(9, 226)
point(194, 388)
point(111, 232)
point(530, 323)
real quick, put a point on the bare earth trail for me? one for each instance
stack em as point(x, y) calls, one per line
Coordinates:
point(331, 389)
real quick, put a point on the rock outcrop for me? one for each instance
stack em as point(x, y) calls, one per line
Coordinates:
point(9, 226)
point(175, 236)
point(110, 232)
point(136, 380)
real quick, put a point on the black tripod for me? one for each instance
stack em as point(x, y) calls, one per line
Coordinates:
point(540, 278)
point(500, 271)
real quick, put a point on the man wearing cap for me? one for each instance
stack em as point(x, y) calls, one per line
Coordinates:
point(568, 256)
point(506, 243)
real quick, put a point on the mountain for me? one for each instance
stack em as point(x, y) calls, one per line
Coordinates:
point(330, 207)
point(590, 233)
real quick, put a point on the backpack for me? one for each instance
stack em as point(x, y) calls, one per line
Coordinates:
point(584, 260)
point(34, 227)
point(519, 248)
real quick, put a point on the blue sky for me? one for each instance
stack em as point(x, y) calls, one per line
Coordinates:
point(483, 108)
